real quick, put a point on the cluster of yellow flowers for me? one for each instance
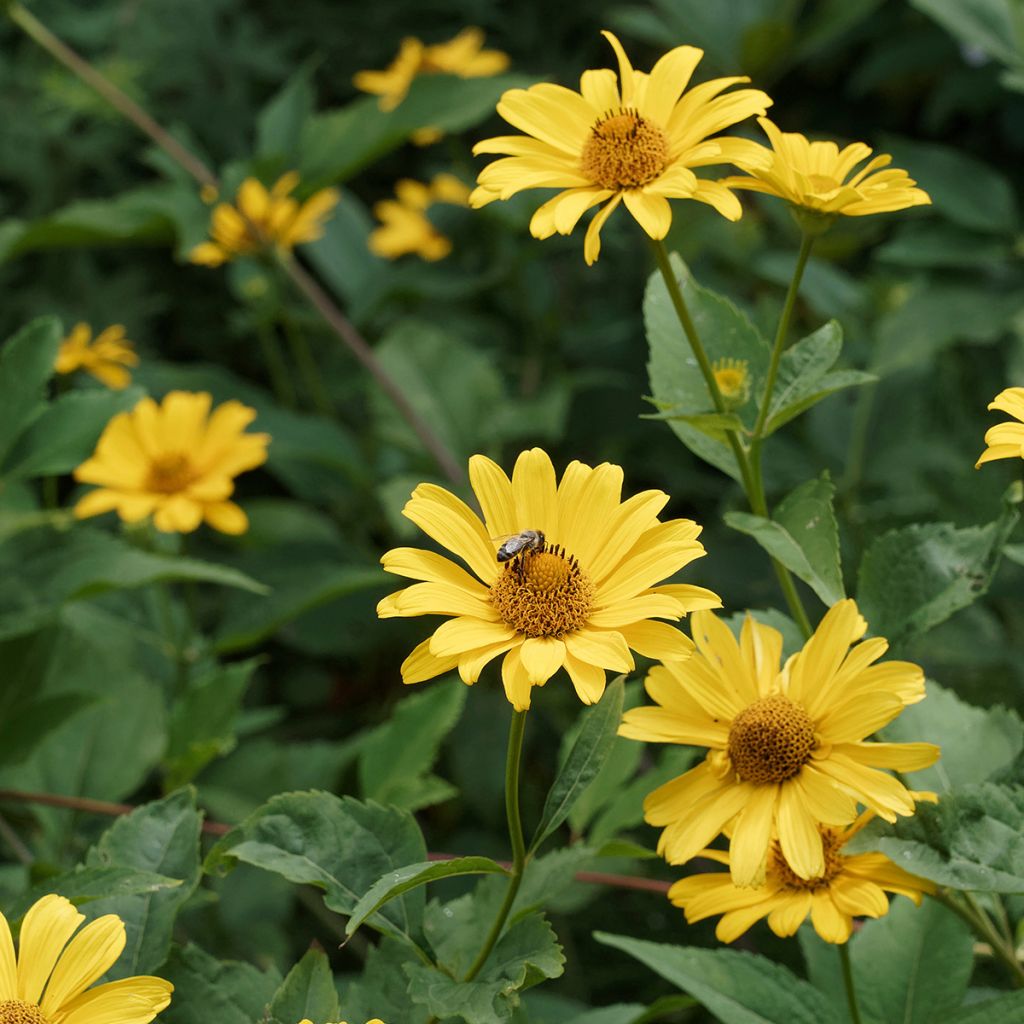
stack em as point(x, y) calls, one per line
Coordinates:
point(405, 227)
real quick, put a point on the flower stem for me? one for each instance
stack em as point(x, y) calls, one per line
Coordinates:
point(277, 369)
point(753, 487)
point(312, 379)
point(515, 833)
point(851, 991)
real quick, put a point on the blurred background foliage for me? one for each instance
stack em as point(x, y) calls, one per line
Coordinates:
point(506, 343)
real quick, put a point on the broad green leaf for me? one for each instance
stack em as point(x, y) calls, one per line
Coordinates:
point(26, 365)
point(1005, 1009)
point(525, 955)
point(620, 1013)
point(676, 380)
point(395, 759)
point(381, 990)
point(24, 725)
point(990, 25)
point(973, 839)
point(65, 435)
point(206, 988)
point(913, 578)
point(338, 844)
point(738, 988)
point(937, 244)
point(583, 762)
point(802, 535)
point(394, 883)
point(976, 742)
point(162, 837)
point(307, 993)
point(279, 124)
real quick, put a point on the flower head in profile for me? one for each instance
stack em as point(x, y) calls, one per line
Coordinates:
point(578, 585)
point(260, 220)
point(632, 140)
point(107, 357)
point(48, 981)
point(787, 746)
point(405, 227)
point(1005, 440)
point(175, 462)
point(463, 56)
point(852, 885)
point(822, 178)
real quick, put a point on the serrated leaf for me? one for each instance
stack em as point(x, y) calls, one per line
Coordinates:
point(738, 988)
point(394, 883)
point(307, 993)
point(338, 844)
point(26, 365)
point(583, 762)
point(803, 535)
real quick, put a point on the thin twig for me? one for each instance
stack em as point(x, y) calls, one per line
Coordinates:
point(13, 840)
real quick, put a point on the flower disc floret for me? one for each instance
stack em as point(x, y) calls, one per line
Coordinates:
point(771, 740)
point(14, 1011)
point(543, 594)
point(624, 151)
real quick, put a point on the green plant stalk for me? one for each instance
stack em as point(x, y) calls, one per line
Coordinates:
point(979, 923)
point(276, 367)
point(312, 379)
point(515, 834)
point(755, 494)
point(851, 991)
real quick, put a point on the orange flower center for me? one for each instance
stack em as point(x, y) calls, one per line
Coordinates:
point(624, 151)
point(831, 842)
point(543, 593)
point(14, 1011)
point(770, 740)
point(169, 474)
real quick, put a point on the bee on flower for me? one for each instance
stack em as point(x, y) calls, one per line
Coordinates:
point(107, 357)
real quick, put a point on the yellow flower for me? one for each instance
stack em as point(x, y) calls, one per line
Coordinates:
point(733, 379)
point(376, 1020)
point(1005, 440)
point(581, 591)
point(50, 958)
point(634, 140)
point(259, 220)
point(462, 56)
point(818, 176)
point(106, 358)
point(405, 228)
point(787, 747)
point(852, 885)
point(175, 462)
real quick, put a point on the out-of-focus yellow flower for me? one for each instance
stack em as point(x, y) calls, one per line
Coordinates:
point(852, 885)
point(635, 140)
point(48, 981)
point(405, 227)
point(819, 176)
point(733, 379)
point(463, 56)
point(376, 1020)
point(260, 220)
point(106, 358)
point(173, 461)
point(1005, 440)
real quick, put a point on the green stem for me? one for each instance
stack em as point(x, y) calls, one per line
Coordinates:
point(515, 833)
point(851, 992)
point(276, 367)
point(308, 370)
point(978, 921)
point(752, 485)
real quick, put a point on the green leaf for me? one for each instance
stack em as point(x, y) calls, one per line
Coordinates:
point(738, 988)
point(526, 954)
point(26, 365)
point(394, 883)
point(395, 759)
point(585, 759)
point(676, 380)
point(161, 837)
point(206, 989)
point(340, 845)
point(913, 578)
point(987, 24)
point(976, 742)
point(307, 993)
point(973, 839)
point(23, 726)
point(382, 988)
point(1005, 1009)
point(802, 535)
point(279, 124)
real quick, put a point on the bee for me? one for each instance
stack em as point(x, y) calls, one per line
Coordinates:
point(528, 540)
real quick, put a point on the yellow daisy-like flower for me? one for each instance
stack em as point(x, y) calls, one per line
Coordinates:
point(106, 358)
point(787, 747)
point(565, 576)
point(260, 220)
point(1005, 440)
point(48, 981)
point(635, 140)
point(733, 379)
point(173, 461)
point(463, 56)
point(852, 885)
point(405, 227)
point(819, 176)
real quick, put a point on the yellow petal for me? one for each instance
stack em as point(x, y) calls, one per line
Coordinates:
point(8, 963)
point(541, 657)
point(128, 1001)
point(449, 521)
point(431, 567)
point(45, 931)
point(828, 922)
point(516, 681)
point(657, 640)
point(650, 210)
point(592, 240)
point(588, 680)
point(494, 492)
point(534, 491)
point(751, 837)
point(88, 956)
point(463, 634)
point(604, 648)
point(226, 517)
point(799, 835)
point(421, 665)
